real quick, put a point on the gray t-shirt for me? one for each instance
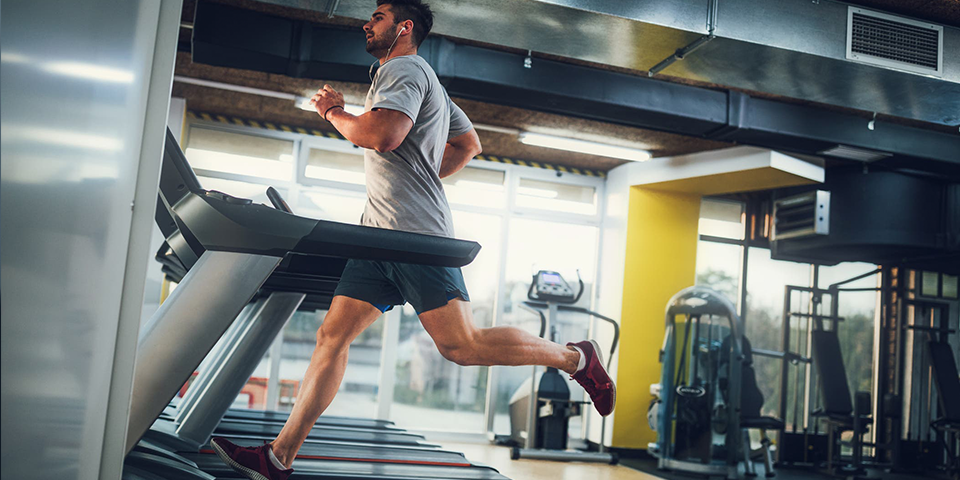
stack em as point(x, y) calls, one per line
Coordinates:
point(404, 191)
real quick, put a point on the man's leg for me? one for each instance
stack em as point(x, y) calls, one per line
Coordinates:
point(345, 320)
point(460, 341)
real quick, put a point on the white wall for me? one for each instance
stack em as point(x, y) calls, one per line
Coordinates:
point(611, 269)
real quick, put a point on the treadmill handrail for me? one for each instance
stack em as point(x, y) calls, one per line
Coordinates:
point(214, 221)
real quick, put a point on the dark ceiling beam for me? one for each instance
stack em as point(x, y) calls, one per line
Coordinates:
point(232, 37)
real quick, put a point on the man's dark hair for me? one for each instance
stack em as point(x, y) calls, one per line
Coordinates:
point(414, 10)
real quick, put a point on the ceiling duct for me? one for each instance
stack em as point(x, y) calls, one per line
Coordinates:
point(238, 38)
point(889, 41)
point(793, 48)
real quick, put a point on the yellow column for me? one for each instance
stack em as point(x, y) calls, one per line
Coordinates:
point(660, 261)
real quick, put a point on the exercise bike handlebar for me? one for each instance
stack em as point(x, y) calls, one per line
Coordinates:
point(533, 308)
point(537, 308)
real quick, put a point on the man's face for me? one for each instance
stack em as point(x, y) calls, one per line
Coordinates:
point(381, 31)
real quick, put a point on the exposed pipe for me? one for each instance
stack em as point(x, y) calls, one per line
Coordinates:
point(679, 54)
point(712, 8)
point(333, 8)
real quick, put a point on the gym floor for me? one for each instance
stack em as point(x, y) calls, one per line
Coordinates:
point(629, 469)
point(499, 457)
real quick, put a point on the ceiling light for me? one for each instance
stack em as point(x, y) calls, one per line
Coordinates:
point(583, 146)
point(303, 103)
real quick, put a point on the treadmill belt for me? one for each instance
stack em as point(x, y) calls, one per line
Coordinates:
point(280, 417)
point(365, 453)
point(332, 469)
point(242, 427)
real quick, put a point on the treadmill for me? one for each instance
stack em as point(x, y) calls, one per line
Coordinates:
point(256, 250)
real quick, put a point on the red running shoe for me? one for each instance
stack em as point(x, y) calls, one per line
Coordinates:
point(593, 377)
point(253, 462)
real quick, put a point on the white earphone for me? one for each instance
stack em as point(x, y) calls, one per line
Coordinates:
point(370, 71)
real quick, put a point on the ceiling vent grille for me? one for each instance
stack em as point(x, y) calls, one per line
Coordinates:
point(889, 41)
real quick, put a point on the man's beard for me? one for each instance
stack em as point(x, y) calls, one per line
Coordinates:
point(377, 45)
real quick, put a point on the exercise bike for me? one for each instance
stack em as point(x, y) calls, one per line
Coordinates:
point(539, 427)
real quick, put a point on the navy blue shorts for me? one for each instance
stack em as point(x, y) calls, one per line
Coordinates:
point(385, 284)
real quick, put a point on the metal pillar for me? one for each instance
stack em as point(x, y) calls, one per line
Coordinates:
point(239, 363)
point(187, 326)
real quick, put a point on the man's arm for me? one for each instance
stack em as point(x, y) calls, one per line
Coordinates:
point(380, 129)
point(458, 152)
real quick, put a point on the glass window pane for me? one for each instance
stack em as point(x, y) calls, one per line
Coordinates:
point(718, 267)
point(930, 282)
point(334, 205)
point(856, 330)
point(721, 218)
point(525, 255)
point(476, 186)
point(950, 286)
point(336, 165)
point(431, 392)
point(358, 391)
point(766, 279)
point(253, 191)
point(240, 154)
point(557, 197)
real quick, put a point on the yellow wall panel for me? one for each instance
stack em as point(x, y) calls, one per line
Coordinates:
point(660, 261)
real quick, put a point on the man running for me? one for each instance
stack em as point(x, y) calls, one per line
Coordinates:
point(413, 135)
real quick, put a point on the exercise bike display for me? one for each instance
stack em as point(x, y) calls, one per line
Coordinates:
point(539, 427)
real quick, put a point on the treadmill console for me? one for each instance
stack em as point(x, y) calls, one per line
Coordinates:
point(549, 286)
point(227, 198)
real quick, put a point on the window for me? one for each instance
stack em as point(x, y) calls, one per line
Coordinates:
point(358, 390)
point(337, 206)
point(337, 163)
point(721, 218)
point(431, 392)
point(210, 150)
point(949, 286)
point(534, 245)
point(476, 186)
point(857, 308)
point(763, 316)
point(718, 267)
point(324, 178)
point(558, 197)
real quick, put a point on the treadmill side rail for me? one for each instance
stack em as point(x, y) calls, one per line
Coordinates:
point(240, 362)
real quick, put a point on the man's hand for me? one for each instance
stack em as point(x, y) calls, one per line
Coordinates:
point(379, 129)
point(458, 152)
point(325, 99)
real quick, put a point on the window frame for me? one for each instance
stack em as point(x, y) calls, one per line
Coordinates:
point(299, 184)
